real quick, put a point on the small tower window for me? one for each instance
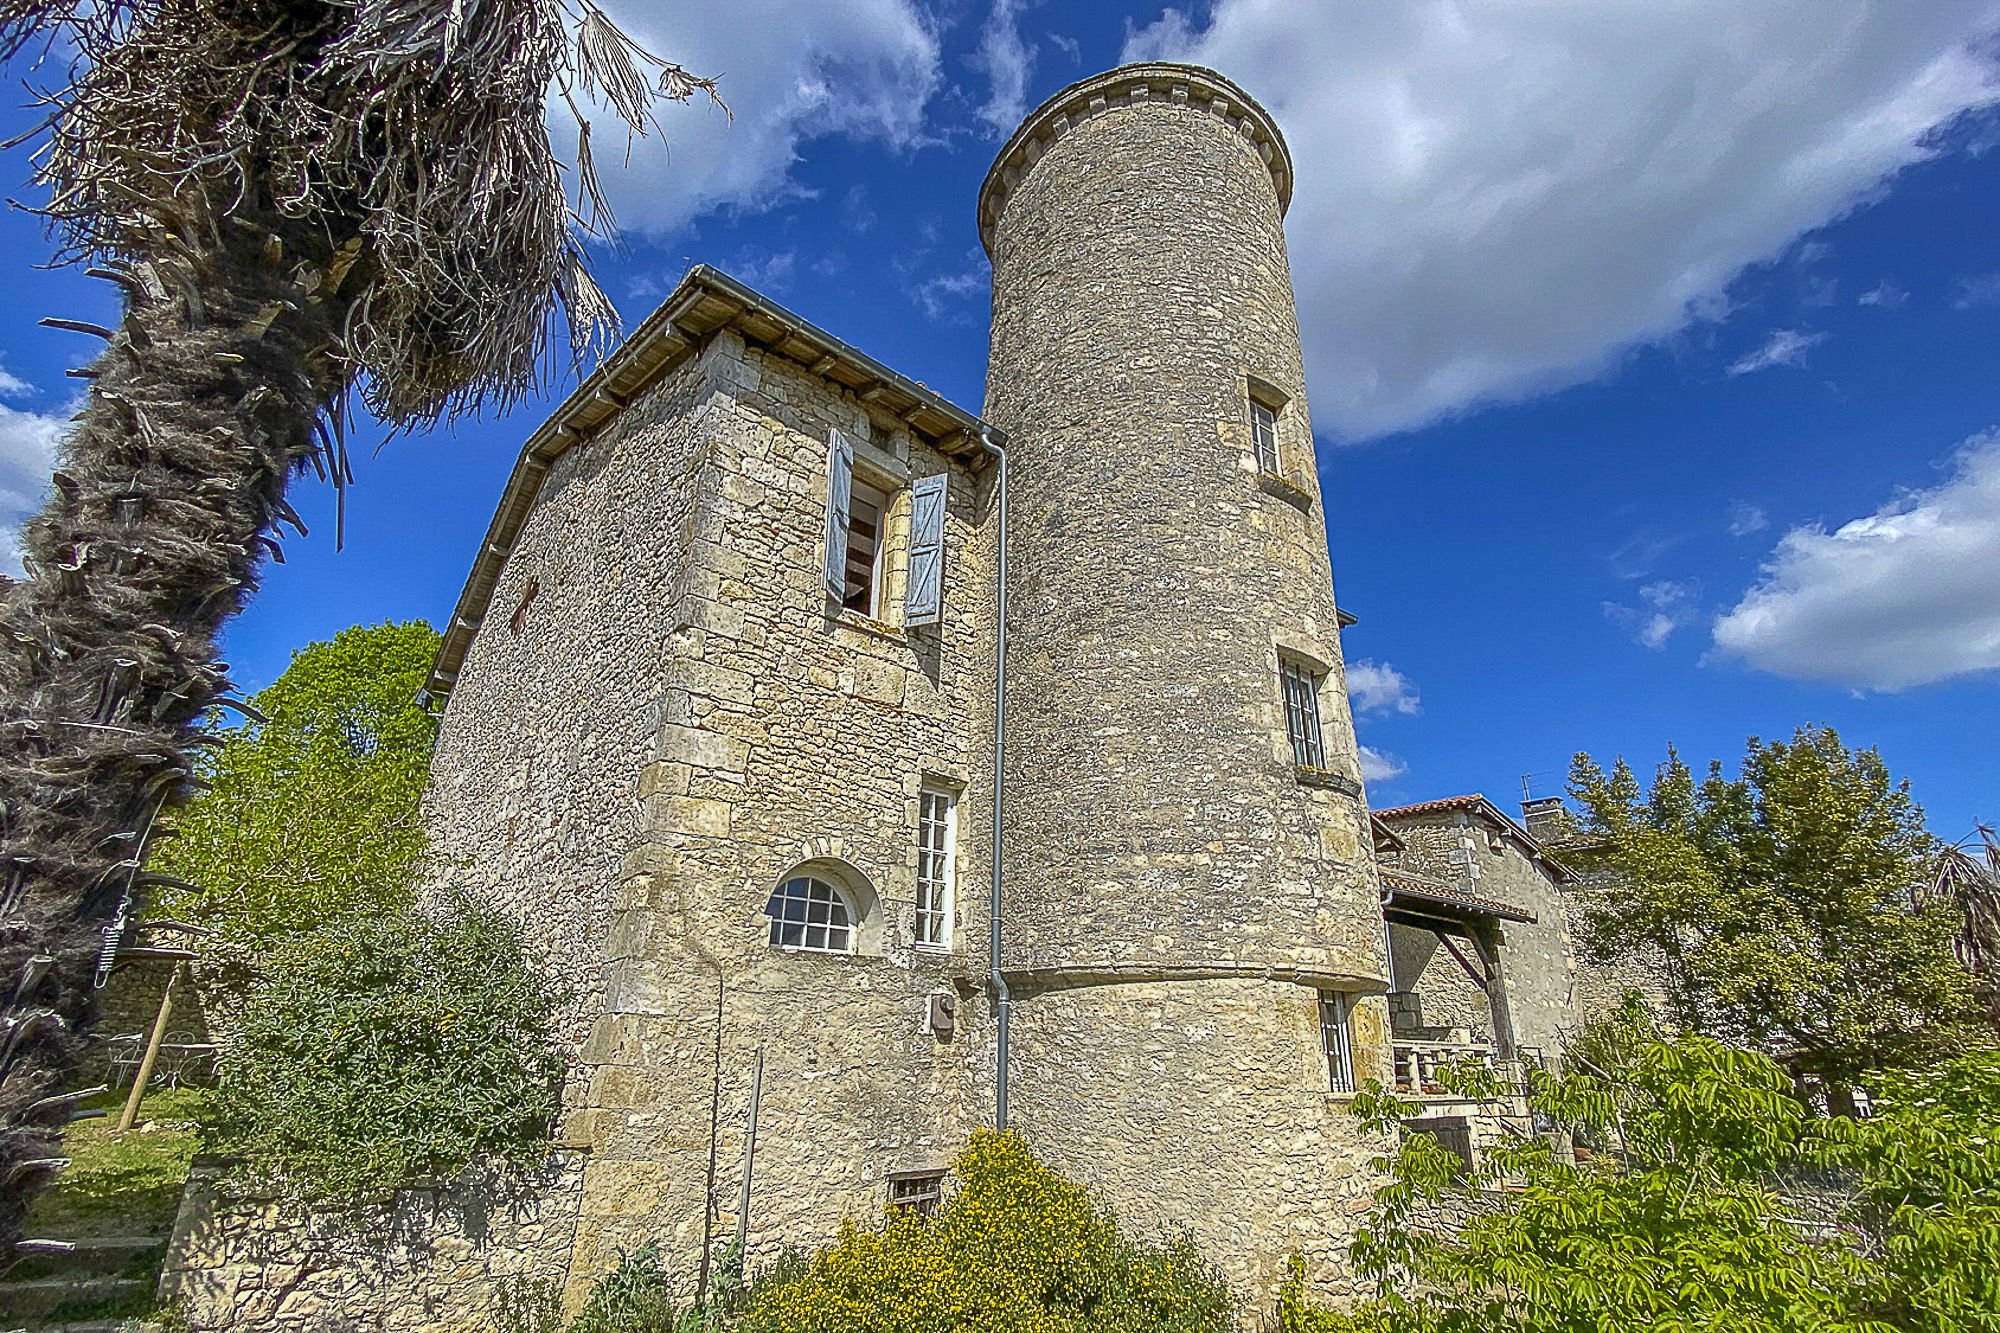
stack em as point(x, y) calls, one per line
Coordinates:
point(808, 913)
point(1301, 688)
point(1264, 436)
point(1336, 1038)
point(937, 819)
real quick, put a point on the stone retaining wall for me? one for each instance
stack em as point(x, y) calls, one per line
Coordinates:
point(424, 1260)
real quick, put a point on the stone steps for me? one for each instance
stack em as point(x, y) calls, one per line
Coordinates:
point(92, 1256)
point(43, 1302)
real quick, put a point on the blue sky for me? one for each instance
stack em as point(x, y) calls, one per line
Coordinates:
point(1651, 343)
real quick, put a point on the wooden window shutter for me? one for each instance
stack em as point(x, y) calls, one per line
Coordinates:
point(923, 596)
point(839, 491)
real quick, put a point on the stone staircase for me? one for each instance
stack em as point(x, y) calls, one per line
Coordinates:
point(92, 1288)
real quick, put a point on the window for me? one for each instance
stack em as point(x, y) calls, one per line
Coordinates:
point(1264, 436)
point(937, 830)
point(858, 509)
point(1335, 1037)
point(808, 913)
point(867, 516)
point(1302, 714)
point(917, 1192)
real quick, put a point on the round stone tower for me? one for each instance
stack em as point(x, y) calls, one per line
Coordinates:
point(1190, 887)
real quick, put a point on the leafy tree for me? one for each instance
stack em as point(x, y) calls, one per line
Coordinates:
point(1782, 901)
point(1687, 1227)
point(1017, 1248)
point(313, 811)
point(383, 1047)
point(298, 200)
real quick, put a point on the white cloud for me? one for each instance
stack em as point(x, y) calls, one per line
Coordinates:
point(1981, 289)
point(1379, 766)
point(1377, 687)
point(791, 71)
point(1007, 61)
point(1906, 596)
point(1785, 347)
point(1745, 519)
point(1885, 294)
point(1498, 198)
point(27, 456)
point(13, 386)
point(1666, 606)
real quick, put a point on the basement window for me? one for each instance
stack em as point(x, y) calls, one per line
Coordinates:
point(918, 1192)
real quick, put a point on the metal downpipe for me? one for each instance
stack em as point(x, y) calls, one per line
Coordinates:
point(993, 925)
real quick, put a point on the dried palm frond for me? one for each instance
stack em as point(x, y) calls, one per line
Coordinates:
point(1967, 878)
point(299, 200)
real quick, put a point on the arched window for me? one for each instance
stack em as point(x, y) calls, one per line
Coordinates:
point(809, 913)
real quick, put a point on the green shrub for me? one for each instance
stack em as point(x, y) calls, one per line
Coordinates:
point(382, 1048)
point(1017, 1248)
point(635, 1297)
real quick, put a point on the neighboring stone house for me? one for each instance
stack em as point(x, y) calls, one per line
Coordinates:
point(721, 703)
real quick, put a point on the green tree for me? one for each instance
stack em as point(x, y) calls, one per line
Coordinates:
point(301, 203)
point(1018, 1249)
point(314, 810)
point(1690, 1225)
point(1783, 902)
point(387, 1046)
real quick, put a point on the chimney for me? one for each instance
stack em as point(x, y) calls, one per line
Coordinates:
point(1546, 818)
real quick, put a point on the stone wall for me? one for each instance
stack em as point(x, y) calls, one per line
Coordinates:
point(1536, 959)
point(421, 1261)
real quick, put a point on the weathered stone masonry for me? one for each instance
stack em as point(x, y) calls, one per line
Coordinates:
point(657, 715)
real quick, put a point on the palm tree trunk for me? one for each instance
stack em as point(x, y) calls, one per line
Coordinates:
point(172, 478)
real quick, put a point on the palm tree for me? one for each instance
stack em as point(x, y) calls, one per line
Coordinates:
point(1968, 878)
point(304, 203)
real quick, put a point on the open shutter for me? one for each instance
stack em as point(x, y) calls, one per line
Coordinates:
point(839, 489)
point(923, 596)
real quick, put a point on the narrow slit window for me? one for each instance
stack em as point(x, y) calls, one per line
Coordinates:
point(1337, 1039)
point(808, 913)
point(1264, 435)
point(937, 818)
point(867, 518)
point(1302, 715)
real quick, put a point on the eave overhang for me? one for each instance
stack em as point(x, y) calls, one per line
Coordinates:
point(706, 301)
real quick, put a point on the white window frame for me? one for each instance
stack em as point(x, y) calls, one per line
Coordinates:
point(781, 920)
point(1336, 1039)
point(937, 864)
point(1304, 728)
point(1264, 436)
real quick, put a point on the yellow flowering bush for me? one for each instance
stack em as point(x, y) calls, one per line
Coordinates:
point(1018, 1249)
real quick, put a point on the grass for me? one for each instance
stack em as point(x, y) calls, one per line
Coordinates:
point(119, 1185)
point(122, 1184)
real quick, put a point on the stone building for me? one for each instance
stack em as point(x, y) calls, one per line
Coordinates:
point(924, 771)
point(722, 698)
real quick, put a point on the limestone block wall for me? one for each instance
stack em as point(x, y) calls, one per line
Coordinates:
point(419, 1261)
point(1445, 996)
point(534, 800)
point(790, 734)
point(1140, 292)
point(1205, 1105)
